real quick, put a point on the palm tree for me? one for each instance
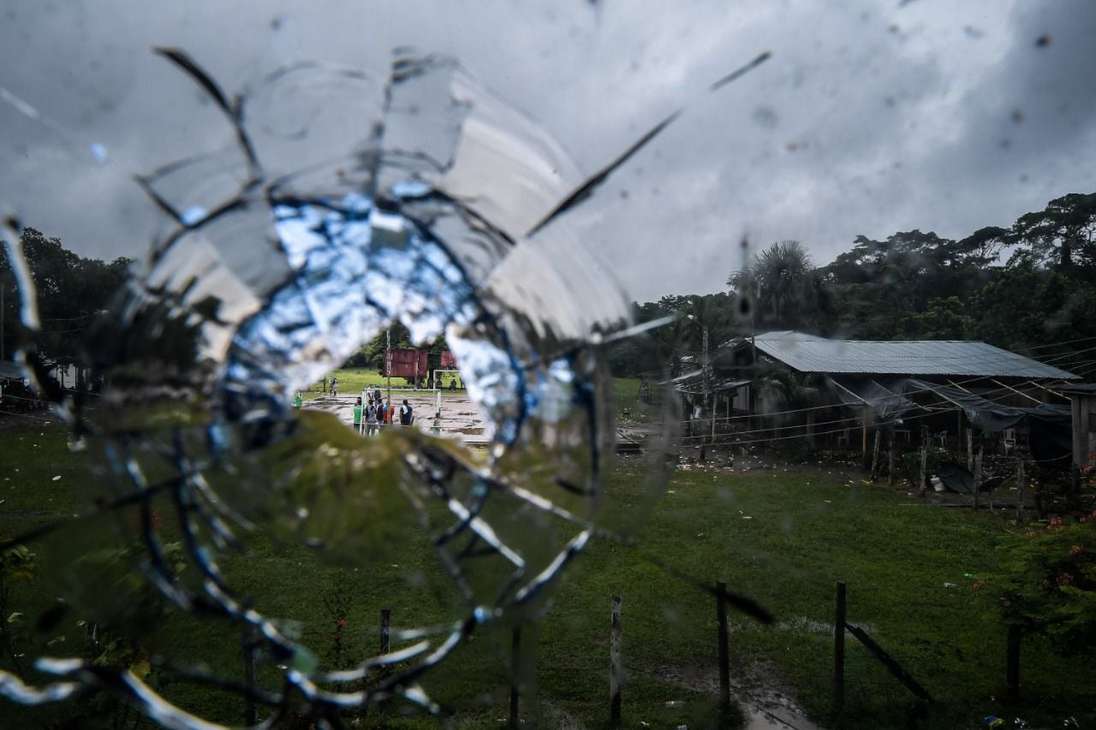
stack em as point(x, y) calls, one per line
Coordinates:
point(782, 285)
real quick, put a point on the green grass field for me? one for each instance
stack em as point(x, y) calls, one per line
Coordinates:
point(630, 408)
point(354, 380)
point(782, 536)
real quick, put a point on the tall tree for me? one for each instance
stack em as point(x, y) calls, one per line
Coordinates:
point(782, 285)
point(71, 292)
point(878, 285)
point(984, 245)
point(1062, 234)
point(1026, 306)
point(945, 318)
point(372, 353)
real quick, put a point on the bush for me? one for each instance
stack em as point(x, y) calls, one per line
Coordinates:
point(1053, 584)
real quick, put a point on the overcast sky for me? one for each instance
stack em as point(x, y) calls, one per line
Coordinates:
point(876, 117)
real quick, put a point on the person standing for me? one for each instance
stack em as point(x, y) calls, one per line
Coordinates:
point(407, 414)
point(334, 386)
point(358, 415)
point(298, 400)
point(371, 420)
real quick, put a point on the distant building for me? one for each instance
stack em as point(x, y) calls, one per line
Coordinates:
point(790, 384)
point(415, 365)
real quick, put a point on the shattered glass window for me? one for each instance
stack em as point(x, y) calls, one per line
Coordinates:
point(566, 364)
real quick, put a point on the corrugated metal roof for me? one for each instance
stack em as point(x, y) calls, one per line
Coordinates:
point(812, 354)
point(1080, 389)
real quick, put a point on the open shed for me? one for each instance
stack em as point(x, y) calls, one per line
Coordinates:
point(789, 384)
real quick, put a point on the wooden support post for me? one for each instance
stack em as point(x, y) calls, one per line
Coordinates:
point(923, 484)
point(724, 649)
point(888, 661)
point(875, 455)
point(977, 476)
point(864, 434)
point(1012, 669)
point(1080, 407)
point(839, 620)
point(1021, 488)
point(515, 672)
point(970, 450)
point(386, 624)
point(751, 406)
point(890, 459)
point(616, 672)
point(989, 495)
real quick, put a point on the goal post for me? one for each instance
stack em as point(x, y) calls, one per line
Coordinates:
point(443, 378)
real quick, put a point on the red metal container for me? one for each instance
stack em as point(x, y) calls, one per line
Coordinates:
point(405, 362)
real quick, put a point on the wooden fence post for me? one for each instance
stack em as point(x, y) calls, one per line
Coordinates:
point(977, 476)
point(386, 623)
point(888, 661)
point(1012, 669)
point(875, 455)
point(724, 648)
point(839, 649)
point(515, 670)
point(616, 674)
point(1021, 484)
point(970, 450)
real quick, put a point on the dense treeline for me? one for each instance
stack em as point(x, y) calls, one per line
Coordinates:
point(1031, 285)
point(72, 290)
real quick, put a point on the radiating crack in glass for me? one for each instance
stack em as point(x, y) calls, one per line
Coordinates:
point(340, 207)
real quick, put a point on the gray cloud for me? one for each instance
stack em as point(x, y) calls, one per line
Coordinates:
point(870, 118)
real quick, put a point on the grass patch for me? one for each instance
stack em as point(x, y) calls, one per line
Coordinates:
point(353, 381)
point(630, 407)
point(781, 536)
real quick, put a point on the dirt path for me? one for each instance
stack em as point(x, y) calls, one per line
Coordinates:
point(459, 417)
point(764, 699)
